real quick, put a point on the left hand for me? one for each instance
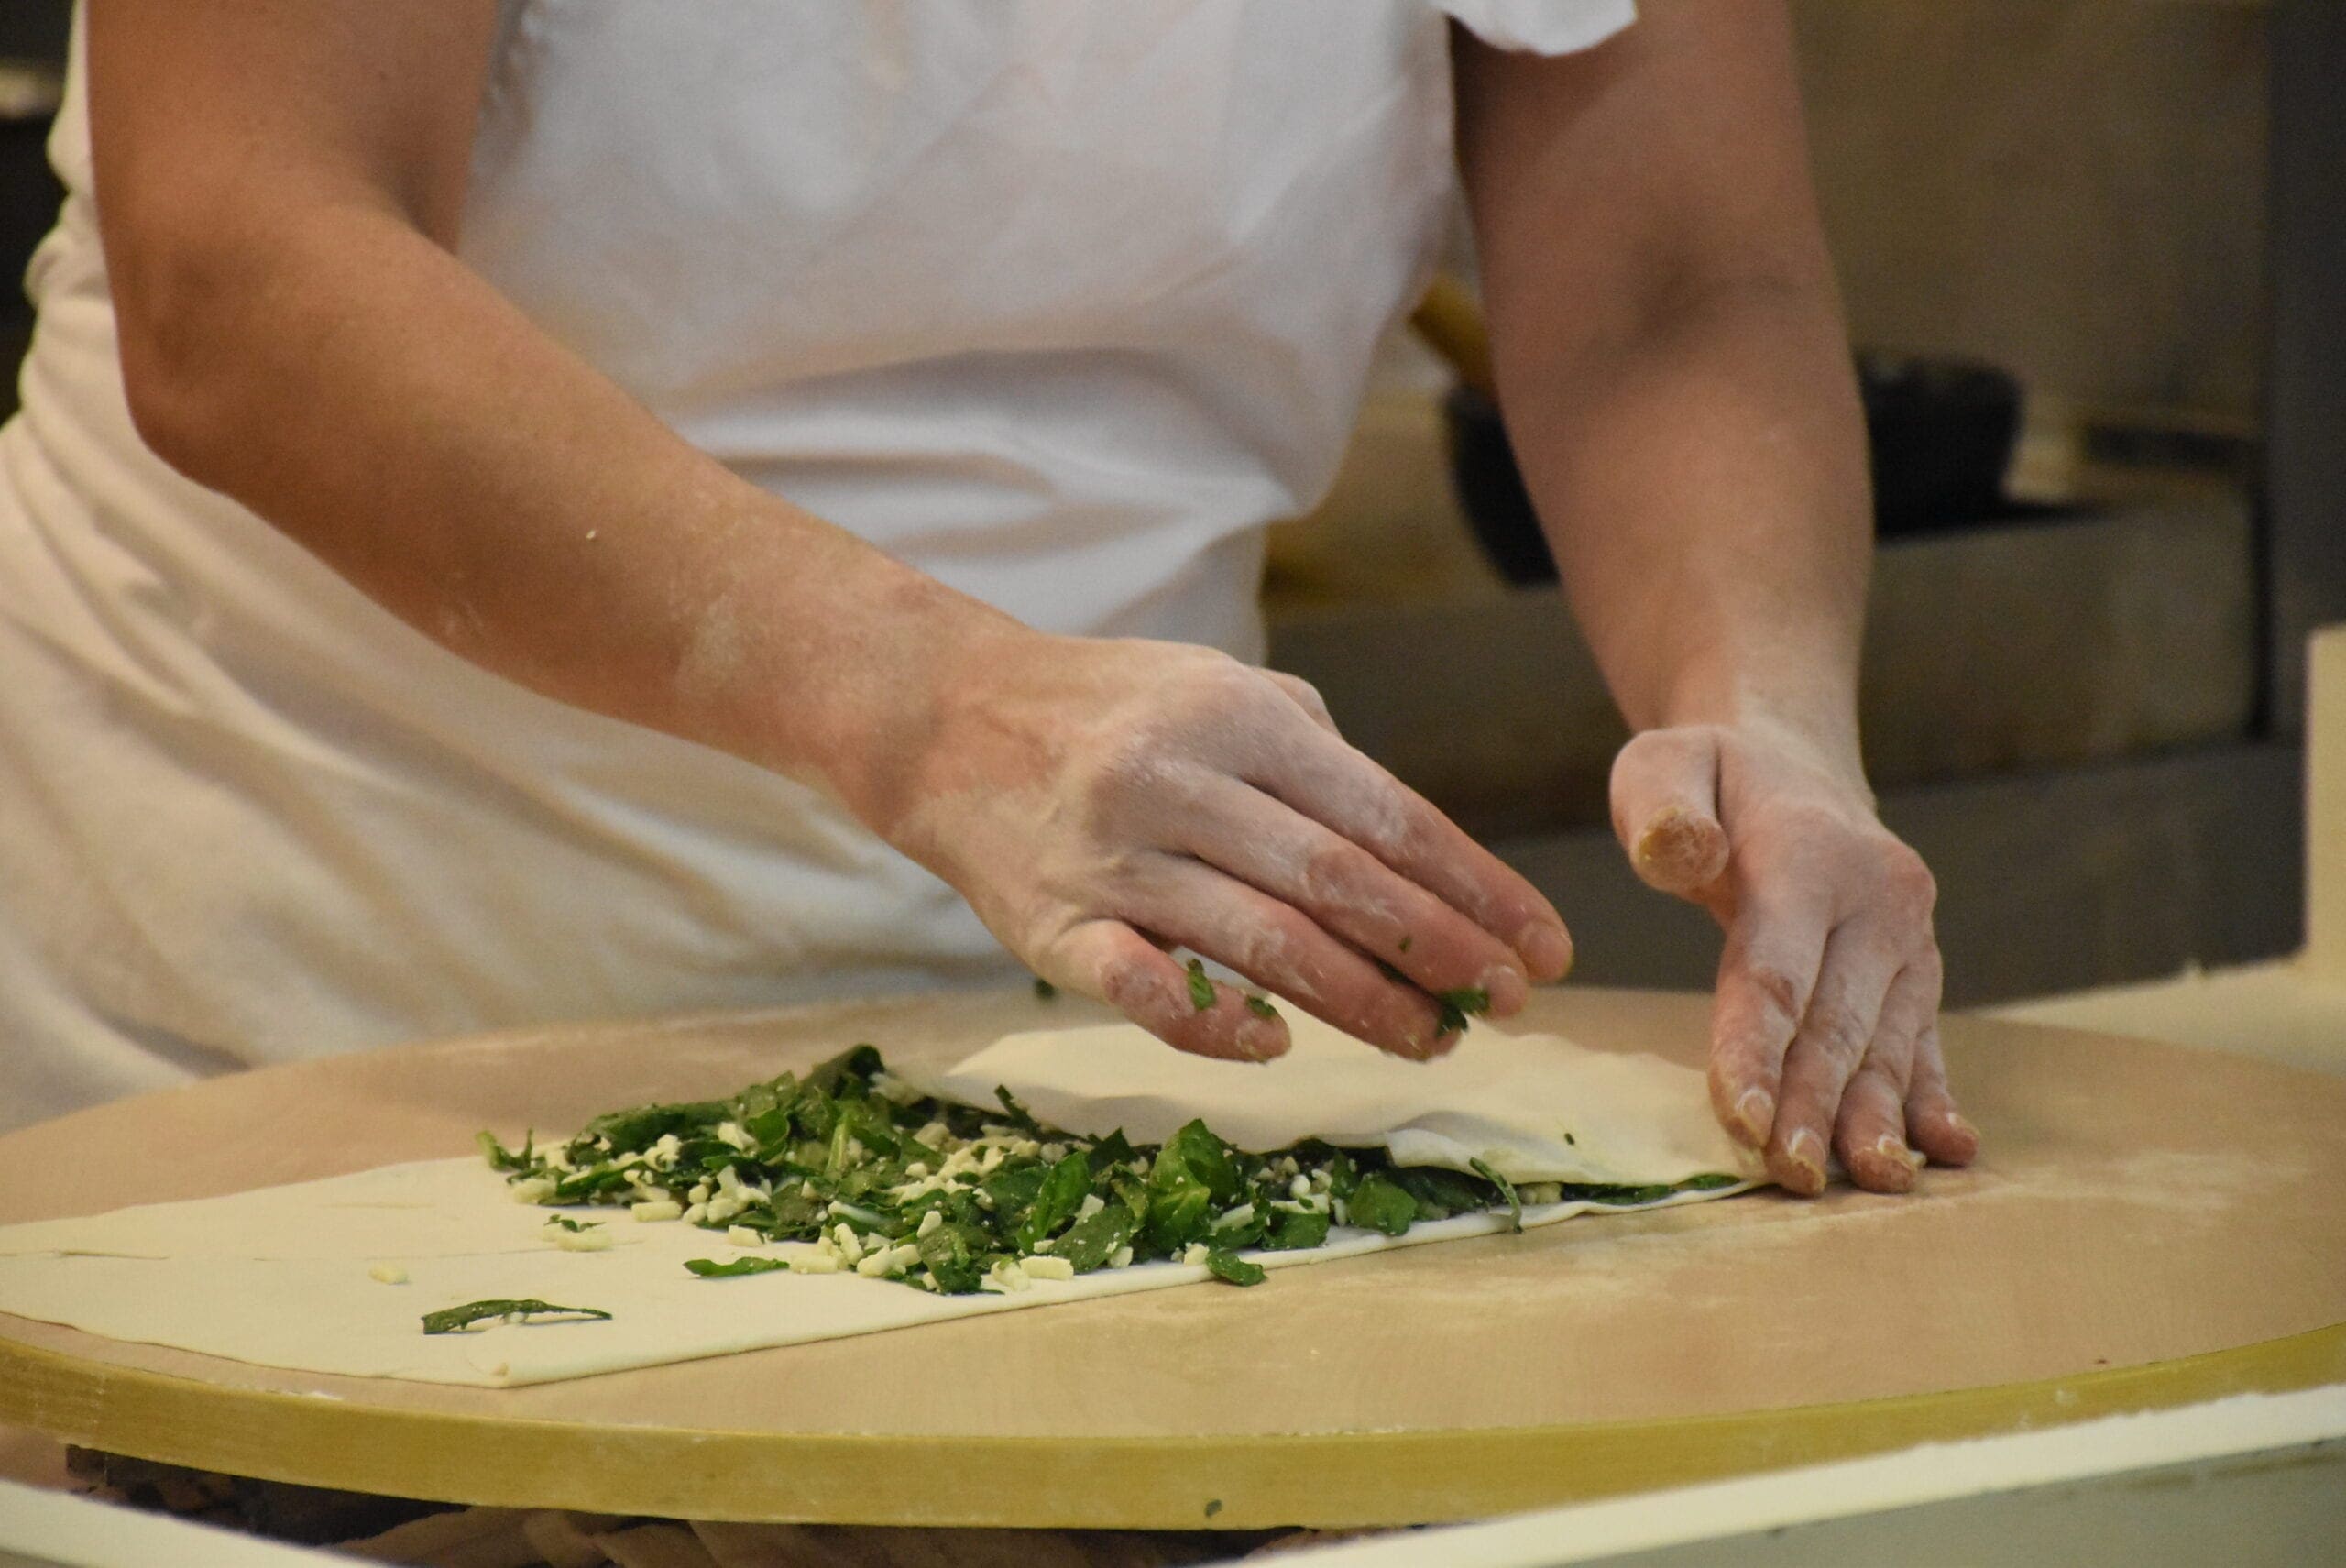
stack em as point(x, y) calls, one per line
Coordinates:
point(1825, 1031)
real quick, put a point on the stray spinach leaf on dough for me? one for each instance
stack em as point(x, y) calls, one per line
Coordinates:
point(455, 1319)
point(891, 1184)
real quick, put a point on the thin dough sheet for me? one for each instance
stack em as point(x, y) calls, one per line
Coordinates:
point(284, 1276)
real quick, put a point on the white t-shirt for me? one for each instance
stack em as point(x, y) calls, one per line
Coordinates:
point(1058, 300)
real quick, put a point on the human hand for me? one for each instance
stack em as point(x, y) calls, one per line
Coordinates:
point(1825, 1030)
point(1098, 802)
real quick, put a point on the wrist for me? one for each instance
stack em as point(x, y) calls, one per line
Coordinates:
point(1811, 710)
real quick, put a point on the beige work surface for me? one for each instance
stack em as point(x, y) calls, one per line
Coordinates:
point(2149, 1225)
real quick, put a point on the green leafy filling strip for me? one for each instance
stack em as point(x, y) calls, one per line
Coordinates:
point(455, 1319)
point(891, 1184)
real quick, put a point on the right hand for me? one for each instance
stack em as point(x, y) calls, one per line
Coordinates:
point(1099, 802)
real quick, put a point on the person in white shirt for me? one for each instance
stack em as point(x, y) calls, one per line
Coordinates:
point(572, 508)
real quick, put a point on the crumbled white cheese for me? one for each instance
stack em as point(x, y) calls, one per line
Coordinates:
point(1048, 1268)
point(388, 1274)
point(1538, 1192)
point(731, 1135)
point(850, 1249)
point(815, 1263)
point(904, 1256)
point(724, 1207)
point(930, 1221)
point(657, 1209)
point(729, 1180)
point(741, 1235)
point(532, 1189)
point(1300, 1187)
point(916, 1168)
point(1195, 1254)
point(701, 1193)
point(1043, 1245)
point(1239, 1216)
point(1093, 1204)
point(876, 1263)
point(1120, 1258)
point(696, 1214)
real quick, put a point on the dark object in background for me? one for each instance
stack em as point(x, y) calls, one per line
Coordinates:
point(30, 196)
point(1939, 437)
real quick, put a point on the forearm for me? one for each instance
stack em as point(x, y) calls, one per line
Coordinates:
point(1701, 476)
point(355, 384)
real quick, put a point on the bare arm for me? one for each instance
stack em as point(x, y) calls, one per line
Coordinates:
point(280, 183)
point(1676, 380)
point(297, 333)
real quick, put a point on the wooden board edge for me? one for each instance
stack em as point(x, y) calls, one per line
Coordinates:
point(1239, 1481)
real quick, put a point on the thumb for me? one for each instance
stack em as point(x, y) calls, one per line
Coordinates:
point(1665, 809)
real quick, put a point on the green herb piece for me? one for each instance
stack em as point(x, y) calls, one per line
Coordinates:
point(1294, 1229)
point(1507, 1191)
point(1440, 1193)
point(564, 1222)
point(709, 1268)
point(502, 1158)
point(632, 1132)
point(1377, 1204)
point(1223, 1263)
point(957, 1256)
point(1063, 1190)
point(1091, 1241)
point(1455, 1007)
point(454, 1320)
point(1390, 973)
point(1201, 988)
point(1020, 1118)
point(1260, 1006)
point(1405, 943)
point(1044, 989)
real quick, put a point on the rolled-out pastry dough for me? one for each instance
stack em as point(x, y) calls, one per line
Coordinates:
point(282, 1276)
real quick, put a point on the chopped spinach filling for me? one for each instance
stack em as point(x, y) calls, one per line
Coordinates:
point(891, 1184)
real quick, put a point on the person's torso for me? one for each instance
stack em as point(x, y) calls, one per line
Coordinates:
point(1058, 300)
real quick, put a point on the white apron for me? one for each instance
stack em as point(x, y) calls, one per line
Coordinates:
point(1058, 300)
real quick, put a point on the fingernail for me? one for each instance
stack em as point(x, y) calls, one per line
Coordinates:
point(1891, 1147)
point(1507, 988)
point(1754, 1108)
point(1546, 950)
point(1966, 1128)
point(1261, 1039)
point(1806, 1152)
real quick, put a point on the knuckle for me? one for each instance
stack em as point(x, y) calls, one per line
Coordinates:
point(1335, 875)
point(1836, 1030)
point(1778, 989)
point(1908, 881)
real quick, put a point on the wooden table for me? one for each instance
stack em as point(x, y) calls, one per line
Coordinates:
point(2149, 1226)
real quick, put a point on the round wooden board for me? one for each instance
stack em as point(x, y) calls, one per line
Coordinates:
point(2149, 1226)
